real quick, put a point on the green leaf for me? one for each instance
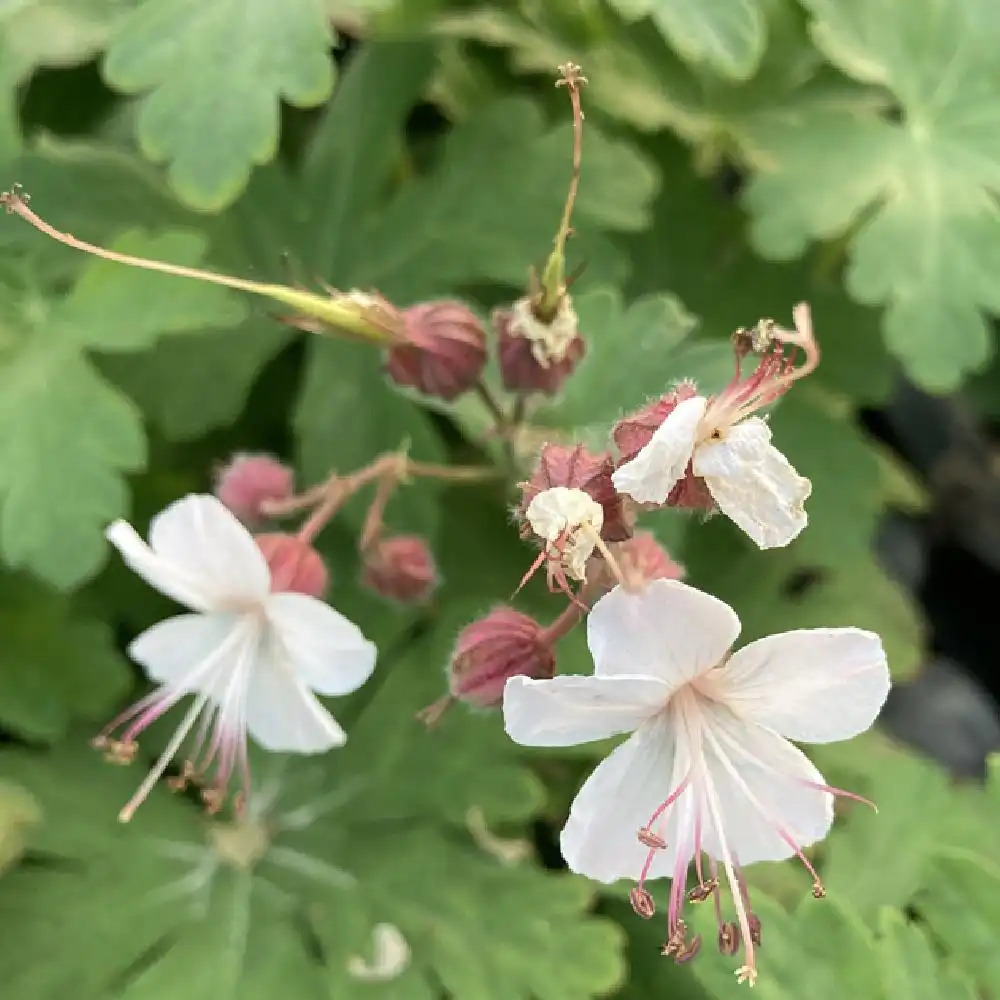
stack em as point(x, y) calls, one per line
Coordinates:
point(55, 666)
point(727, 37)
point(632, 355)
point(63, 424)
point(288, 901)
point(56, 33)
point(492, 205)
point(210, 75)
point(960, 903)
point(915, 196)
point(910, 968)
point(19, 814)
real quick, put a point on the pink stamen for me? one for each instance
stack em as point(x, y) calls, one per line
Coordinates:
point(840, 793)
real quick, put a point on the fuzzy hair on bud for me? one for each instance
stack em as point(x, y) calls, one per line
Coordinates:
point(247, 482)
point(632, 433)
point(400, 568)
point(576, 468)
point(503, 644)
point(294, 564)
point(442, 351)
point(536, 356)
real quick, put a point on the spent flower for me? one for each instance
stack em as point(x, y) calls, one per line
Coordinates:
point(252, 657)
point(709, 769)
point(716, 441)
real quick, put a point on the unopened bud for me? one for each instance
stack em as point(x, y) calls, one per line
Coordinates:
point(294, 564)
point(729, 938)
point(642, 902)
point(577, 468)
point(536, 356)
point(504, 644)
point(400, 568)
point(247, 482)
point(650, 839)
point(442, 351)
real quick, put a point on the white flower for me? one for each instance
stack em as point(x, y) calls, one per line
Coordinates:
point(250, 657)
point(708, 768)
point(718, 439)
point(569, 521)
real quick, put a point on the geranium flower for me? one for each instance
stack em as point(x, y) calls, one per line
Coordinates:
point(708, 769)
point(251, 658)
point(715, 443)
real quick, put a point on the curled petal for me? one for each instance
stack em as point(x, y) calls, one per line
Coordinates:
point(814, 685)
point(666, 630)
point(656, 469)
point(198, 554)
point(326, 651)
point(600, 839)
point(564, 711)
point(754, 484)
point(764, 790)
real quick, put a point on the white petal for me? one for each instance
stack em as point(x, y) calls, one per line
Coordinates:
point(570, 709)
point(282, 714)
point(199, 538)
point(754, 484)
point(172, 651)
point(814, 685)
point(667, 630)
point(325, 650)
point(655, 470)
point(599, 839)
point(158, 573)
point(762, 791)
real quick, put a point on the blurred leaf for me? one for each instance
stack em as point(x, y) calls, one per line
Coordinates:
point(56, 33)
point(63, 424)
point(960, 903)
point(55, 666)
point(236, 910)
point(19, 815)
point(910, 968)
point(916, 195)
point(728, 37)
point(218, 69)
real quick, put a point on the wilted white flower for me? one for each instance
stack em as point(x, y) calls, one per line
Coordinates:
point(569, 522)
point(717, 440)
point(250, 657)
point(708, 768)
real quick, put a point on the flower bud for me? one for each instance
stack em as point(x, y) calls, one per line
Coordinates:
point(294, 564)
point(576, 468)
point(247, 482)
point(632, 433)
point(536, 356)
point(442, 351)
point(641, 559)
point(400, 568)
point(504, 644)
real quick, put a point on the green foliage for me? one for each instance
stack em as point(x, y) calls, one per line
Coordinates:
point(209, 76)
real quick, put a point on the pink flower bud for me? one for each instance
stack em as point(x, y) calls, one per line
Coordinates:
point(504, 644)
point(632, 433)
point(295, 565)
point(536, 356)
point(577, 468)
point(401, 568)
point(643, 559)
point(247, 482)
point(442, 352)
